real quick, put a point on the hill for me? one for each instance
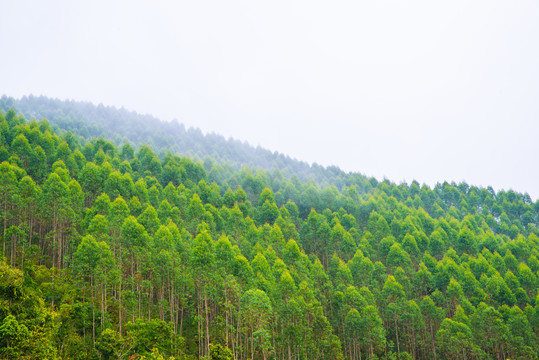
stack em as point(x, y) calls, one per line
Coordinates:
point(119, 126)
point(113, 252)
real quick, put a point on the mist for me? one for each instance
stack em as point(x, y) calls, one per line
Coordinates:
point(416, 90)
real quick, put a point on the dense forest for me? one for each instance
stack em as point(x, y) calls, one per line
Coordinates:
point(120, 126)
point(120, 251)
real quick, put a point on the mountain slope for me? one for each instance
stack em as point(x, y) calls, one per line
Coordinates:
point(117, 254)
point(120, 125)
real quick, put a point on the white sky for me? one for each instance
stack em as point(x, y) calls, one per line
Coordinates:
point(424, 90)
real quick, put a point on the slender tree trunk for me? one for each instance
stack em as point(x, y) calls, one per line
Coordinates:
point(181, 320)
point(199, 323)
point(238, 325)
point(93, 308)
point(252, 345)
point(397, 335)
point(60, 246)
point(172, 307)
point(102, 317)
point(120, 312)
point(432, 340)
point(161, 298)
point(12, 255)
point(289, 351)
point(84, 326)
point(5, 223)
point(54, 236)
point(120, 278)
point(207, 323)
point(273, 333)
point(22, 256)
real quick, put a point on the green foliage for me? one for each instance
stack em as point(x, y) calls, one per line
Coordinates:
point(27, 326)
point(219, 352)
point(109, 344)
point(146, 335)
point(135, 253)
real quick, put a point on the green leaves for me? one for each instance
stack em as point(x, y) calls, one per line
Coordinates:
point(455, 341)
point(148, 334)
point(133, 233)
point(256, 271)
point(14, 338)
point(256, 308)
point(202, 250)
point(219, 352)
point(92, 256)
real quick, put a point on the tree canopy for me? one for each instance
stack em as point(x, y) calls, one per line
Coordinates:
point(113, 251)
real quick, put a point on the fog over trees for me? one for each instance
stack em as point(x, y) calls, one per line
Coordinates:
point(122, 250)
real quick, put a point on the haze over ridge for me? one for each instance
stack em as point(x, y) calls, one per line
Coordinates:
point(405, 91)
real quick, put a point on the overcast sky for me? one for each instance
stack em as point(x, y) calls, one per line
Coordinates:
point(424, 90)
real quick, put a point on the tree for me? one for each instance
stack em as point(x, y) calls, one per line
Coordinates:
point(8, 189)
point(54, 202)
point(397, 257)
point(219, 352)
point(203, 259)
point(352, 326)
point(409, 245)
point(91, 181)
point(256, 314)
point(432, 316)
point(149, 220)
point(109, 344)
point(14, 337)
point(27, 325)
point(523, 340)
point(149, 334)
point(490, 331)
point(455, 341)
point(374, 334)
point(394, 296)
point(92, 261)
point(466, 242)
point(267, 213)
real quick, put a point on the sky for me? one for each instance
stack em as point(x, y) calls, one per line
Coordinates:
point(426, 90)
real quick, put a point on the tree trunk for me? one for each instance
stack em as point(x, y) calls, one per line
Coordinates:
point(5, 224)
point(93, 308)
point(397, 335)
point(432, 340)
point(207, 324)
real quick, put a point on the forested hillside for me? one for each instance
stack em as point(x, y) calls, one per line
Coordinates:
point(115, 253)
point(120, 126)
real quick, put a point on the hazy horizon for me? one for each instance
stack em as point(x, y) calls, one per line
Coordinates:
point(403, 91)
